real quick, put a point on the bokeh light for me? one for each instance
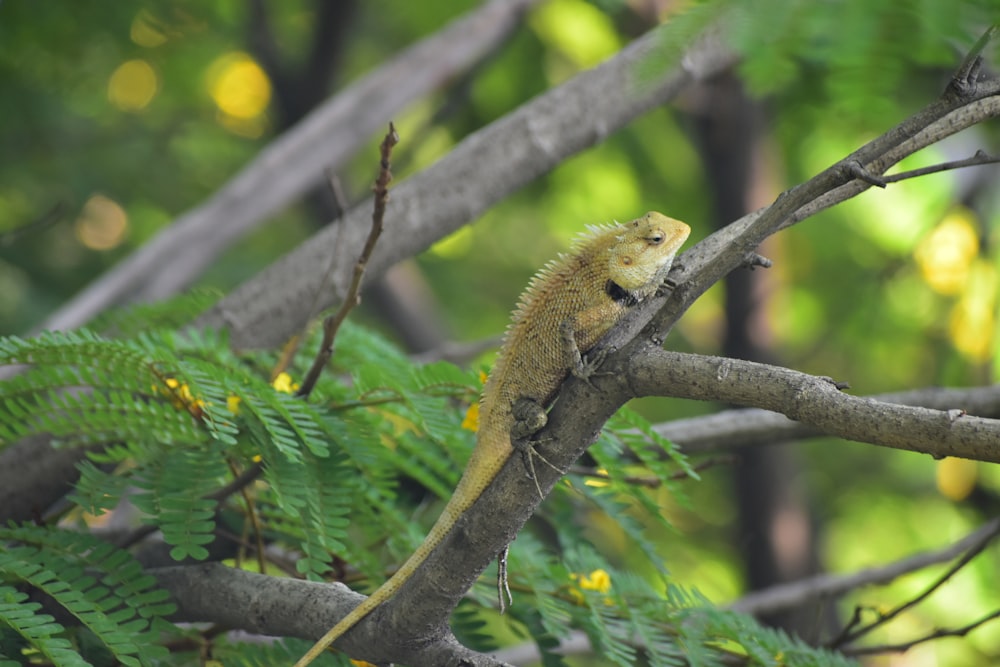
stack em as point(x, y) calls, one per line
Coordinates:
point(133, 85)
point(241, 91)
point(102, 224)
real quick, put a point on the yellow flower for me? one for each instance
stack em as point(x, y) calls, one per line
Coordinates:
point(233, 404)
point(598, 580)
point(181, 397)
point(471, 421)
point(284, 384)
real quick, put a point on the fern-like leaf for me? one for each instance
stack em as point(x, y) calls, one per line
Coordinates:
point(38, 630)
point(91, 581)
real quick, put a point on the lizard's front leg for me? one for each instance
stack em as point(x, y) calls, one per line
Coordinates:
point(529, 418)
point(583, 366)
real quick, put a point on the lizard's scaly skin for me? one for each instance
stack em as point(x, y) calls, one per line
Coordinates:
point(608, 270)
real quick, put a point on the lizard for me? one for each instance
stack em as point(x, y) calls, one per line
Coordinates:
point(568, 306)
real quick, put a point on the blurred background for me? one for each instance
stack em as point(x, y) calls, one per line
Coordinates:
point(115, 118)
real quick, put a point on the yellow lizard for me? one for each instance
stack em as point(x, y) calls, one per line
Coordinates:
point(568, 306)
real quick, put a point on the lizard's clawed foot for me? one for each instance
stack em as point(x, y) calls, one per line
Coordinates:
point(587, 365)
point(529, 418)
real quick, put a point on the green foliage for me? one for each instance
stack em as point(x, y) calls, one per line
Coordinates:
point(172, 418)
point(102, 587)
point(355, 472)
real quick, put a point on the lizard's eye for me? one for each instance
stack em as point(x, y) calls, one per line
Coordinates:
point(656, 238)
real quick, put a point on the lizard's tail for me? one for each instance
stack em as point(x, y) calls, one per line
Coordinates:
point(449, 515)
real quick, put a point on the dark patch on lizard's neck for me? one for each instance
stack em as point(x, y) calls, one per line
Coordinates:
point(619, 294)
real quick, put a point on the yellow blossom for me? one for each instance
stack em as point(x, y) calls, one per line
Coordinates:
point(233, 404)
point(181, 397)
point(284, 384)
point(471, 421)
point(598, 580)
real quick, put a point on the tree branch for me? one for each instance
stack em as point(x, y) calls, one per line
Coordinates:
point(798, 593)
point(813, 401)
point(483, 169)
point(733, 429)
point(292, 164)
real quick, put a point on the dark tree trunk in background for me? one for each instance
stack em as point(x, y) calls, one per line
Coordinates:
point(775, 534)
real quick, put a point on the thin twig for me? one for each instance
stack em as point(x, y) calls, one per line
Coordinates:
point(291, 347)
point(973, 551)
point(979, 158)
point(937, 634)
point(331, 325)
point(796, 593)
point(964, 80)
point(258, 531)
point(47, 219)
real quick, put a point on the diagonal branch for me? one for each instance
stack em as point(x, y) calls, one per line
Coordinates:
point(484, 168)
point(292, 164)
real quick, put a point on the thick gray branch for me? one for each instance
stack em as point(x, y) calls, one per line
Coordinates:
point(816, 402)
point(266, 310)
point(483, 169)
point(293, 163)
point(287, 607)
point(753, 427)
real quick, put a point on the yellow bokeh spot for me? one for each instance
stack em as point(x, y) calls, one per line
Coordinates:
point(145, 32)
point(102, 223)
point(956, 478)
point(133, 85)
point(239, 87)
point(284, 384)
point(946, 254)
point(972, 323)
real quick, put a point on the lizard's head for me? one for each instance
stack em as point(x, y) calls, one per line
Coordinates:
point(644, 250)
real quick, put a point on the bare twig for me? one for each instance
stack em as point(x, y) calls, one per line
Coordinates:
point(974, 550)
point(796, 593)
point(331, 325)
point(291, 347)
point(39, 224)
point(963, 81)
point(936, 634)
point(980, 158)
